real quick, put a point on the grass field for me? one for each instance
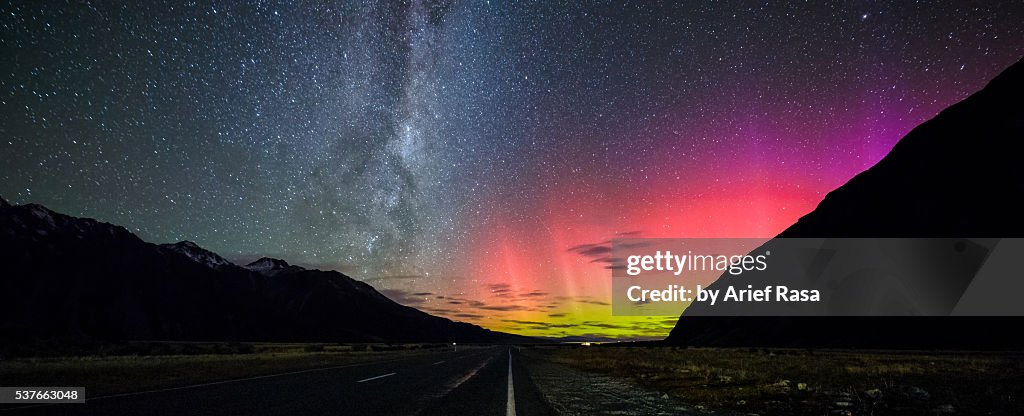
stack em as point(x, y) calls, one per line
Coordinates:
point(142, 366)
point(807, 382)
point(743, 381)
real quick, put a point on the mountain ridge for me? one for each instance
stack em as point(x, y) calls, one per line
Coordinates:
point(936, 146)
point(199, 254)
point(81, 279)
point(955, 175)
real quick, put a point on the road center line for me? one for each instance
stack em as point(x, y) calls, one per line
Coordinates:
point(510, 407)
point(439, 362)
point(374, 378)
point(229, 381)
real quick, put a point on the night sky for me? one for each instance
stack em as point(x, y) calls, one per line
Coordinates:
point(471, 159)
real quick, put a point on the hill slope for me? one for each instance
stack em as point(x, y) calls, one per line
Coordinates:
point(957, 175)
point(80, 279)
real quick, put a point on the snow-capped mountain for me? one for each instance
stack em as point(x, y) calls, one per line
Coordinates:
point(270, 266)
point(80, 279)
point(198, 254)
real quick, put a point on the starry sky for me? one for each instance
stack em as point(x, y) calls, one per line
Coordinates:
point(471, 159)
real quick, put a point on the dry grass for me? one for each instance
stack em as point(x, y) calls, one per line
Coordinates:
point(816, 382)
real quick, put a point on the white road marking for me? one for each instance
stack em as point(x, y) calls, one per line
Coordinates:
point(439, 362)
point(374, 378)
point(215, 383)
point(510, 407)
point(236, 380)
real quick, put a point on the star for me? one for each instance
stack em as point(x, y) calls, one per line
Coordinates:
point(450, 149)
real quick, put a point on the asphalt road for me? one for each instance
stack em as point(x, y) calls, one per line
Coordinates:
point(489, 381)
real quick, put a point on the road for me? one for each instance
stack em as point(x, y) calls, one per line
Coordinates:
point(489, 381)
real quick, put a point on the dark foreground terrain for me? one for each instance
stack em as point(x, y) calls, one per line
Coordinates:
point(814, 382)
point(435, 379)
point(440, 381)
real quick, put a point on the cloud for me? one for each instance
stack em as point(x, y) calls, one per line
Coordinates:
point(520, 322)
point(504, 308)
point(439, 311)
point(499, 288)
point(405, 297)
point(615, 263)
point(464, 308)
point(605, 325)
point(601, 252)
point(583, 299)
point(591, 250)
point(501, 298)
point(597, 253)
point(592, 327)
point(538, 324)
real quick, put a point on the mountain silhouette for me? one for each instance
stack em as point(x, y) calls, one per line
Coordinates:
point(199, 254)
point(76, 279)
point(958, 175)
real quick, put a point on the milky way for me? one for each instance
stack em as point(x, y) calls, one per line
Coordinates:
point(454, 153)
